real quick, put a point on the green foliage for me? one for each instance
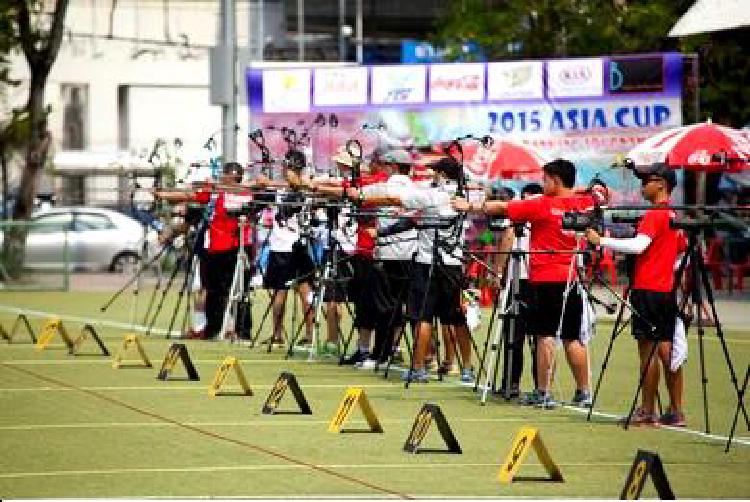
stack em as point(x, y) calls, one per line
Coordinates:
point(724, 73)
point(518, 29)
point(546, 28)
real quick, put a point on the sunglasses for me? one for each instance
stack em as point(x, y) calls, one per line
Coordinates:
point(648, 180)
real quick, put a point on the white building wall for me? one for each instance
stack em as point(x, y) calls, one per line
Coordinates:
point(169, 84)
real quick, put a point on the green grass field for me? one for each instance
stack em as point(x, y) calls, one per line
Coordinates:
point(72, 426)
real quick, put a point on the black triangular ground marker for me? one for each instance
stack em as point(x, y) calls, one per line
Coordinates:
point(286, 380)
point(425, 417)
point(646, 463)
point(16, 324)
point(86, 331)
point(177, 350)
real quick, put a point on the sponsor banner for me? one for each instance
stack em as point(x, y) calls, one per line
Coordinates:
point(398, 84)
point(603, 107)
point(515, 80)
point(340, 87)
point(286, 91)
point(457, 82)
point(632, 75)
point(575, 77)
point(590, 79)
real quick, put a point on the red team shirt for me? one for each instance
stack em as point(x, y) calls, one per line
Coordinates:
point(545, 213)
point(654, 268)
point(365, 242)
point(223, 231)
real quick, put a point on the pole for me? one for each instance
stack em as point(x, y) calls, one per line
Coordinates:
point(342, 39)
point(229, 111)
point(360, 35)
point(301, 29)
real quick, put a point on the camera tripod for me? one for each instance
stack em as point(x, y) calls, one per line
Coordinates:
point(693, 267)
point(239, 303)
point(510, 312)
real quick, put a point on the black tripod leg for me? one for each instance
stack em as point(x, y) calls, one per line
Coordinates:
point(298, 331)
point(164, 292)
point(254, 340)
point(720, 334)
point(482, 360)
point(180, 295)
point(740, 403)
point(152, 298)
point(642, 379)
point(616, 330)
point(397, 343)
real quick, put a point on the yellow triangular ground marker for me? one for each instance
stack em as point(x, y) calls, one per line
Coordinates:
point(126, 343)
point(353, 396)
point(221, 375)
point(51, 328)
point(87, 331)
point(527, 438)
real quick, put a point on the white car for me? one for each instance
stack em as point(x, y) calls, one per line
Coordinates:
point(97, 239)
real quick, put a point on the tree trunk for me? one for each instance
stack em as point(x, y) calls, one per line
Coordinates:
point(36, 149)
point(36, 152)
point(4, 167)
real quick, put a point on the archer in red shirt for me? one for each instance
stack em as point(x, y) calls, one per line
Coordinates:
point(553, 305)
point(652, 298)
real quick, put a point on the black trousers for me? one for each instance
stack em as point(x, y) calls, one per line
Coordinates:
point(217, 271)
point(513, 352)
point(397, 275)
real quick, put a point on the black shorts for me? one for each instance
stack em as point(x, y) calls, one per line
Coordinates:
point(286, 267)
point(337, 290)
point(545, 307)
point(368, 286)
point(440, 296)
point(656, 310)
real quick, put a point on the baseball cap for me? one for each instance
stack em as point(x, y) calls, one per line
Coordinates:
point(660, 170)
point(233, 168)
point(342, 157)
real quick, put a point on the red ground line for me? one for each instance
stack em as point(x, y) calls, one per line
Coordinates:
point(213, 435)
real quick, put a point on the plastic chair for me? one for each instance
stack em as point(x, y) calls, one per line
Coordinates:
point(714, 261)
point(738, 272)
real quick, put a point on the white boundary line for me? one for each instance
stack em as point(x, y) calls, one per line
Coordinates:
point(162, 331)
point(282, 467)
point(111, 425)
point(84, 320)
point(39, 313)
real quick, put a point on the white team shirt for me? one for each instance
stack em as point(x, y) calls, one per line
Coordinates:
point(400, 246)
point(434, 202)
point(285, 232)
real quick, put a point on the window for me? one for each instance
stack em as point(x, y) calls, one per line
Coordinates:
point(51, 223)
point(74, 190)
point(75, 99)
point(88, 221)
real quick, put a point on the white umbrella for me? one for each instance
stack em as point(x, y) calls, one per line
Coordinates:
point(712, 15)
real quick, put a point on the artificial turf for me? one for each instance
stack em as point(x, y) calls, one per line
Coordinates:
point(72, 426)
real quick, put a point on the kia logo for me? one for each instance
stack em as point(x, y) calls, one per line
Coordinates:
point(574, 75)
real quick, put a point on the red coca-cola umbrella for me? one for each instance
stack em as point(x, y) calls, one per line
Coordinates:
point(502, 160)
point(705, 147)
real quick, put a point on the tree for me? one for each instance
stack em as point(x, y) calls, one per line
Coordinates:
point(556, 28)
point(39, 36)
point(515, 29)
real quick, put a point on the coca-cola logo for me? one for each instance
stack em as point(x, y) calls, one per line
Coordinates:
point(574, 75)
point(481, 161)
point(699, 158)
point(464, 82)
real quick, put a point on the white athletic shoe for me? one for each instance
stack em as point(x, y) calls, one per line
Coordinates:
point(367, 364)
